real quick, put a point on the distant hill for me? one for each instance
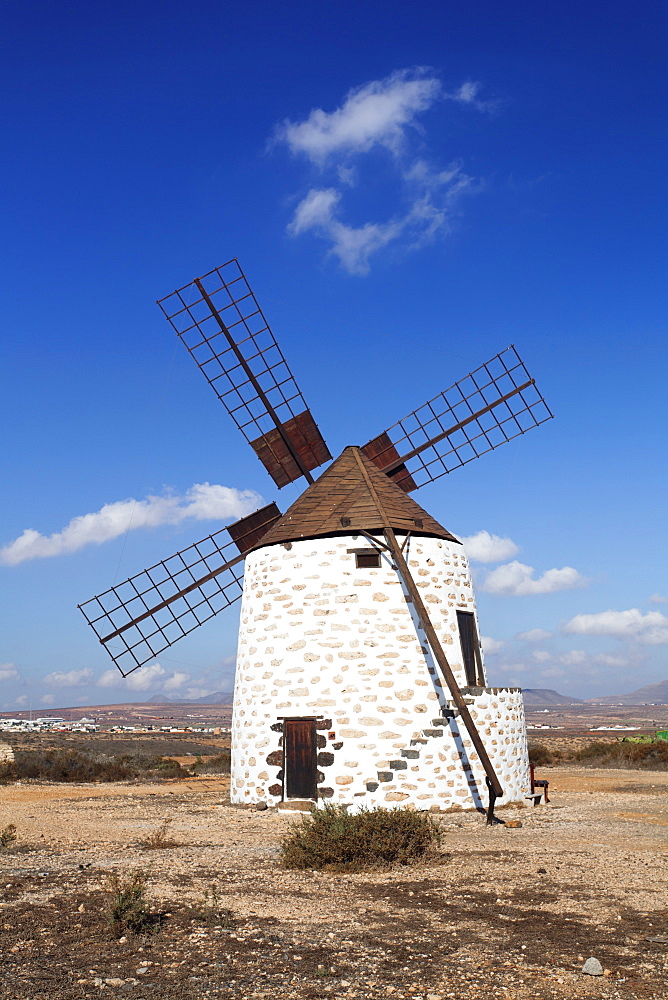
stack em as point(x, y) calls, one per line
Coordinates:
point(651, 694)
point(217, 698)
point(542, 697)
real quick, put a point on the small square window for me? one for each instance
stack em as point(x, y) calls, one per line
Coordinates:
point(367, 560)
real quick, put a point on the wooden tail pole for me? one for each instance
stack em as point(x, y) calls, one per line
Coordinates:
point(494, 785)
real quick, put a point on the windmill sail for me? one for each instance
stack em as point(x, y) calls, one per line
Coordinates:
point(490, 406)
point(138, 619)
point(219, 320)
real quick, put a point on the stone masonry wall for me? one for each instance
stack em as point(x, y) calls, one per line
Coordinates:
point(320, 638)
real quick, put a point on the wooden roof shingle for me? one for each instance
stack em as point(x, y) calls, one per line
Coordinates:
point(339, 502)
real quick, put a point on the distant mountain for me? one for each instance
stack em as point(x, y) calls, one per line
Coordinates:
point(651, 694)
point(542, 697)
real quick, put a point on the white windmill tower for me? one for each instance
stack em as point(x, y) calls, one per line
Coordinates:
point(360, 678)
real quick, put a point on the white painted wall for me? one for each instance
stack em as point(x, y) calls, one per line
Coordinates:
point(320, 638)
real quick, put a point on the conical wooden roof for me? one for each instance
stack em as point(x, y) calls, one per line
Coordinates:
point(340, 503)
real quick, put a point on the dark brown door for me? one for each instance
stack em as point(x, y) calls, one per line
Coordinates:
point(300, 763)
point(470, 648)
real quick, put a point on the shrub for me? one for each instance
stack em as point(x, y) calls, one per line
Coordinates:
point(79, 765)
point(220, 764)
point(8, 836)
point(332, 838)
point(158, 840)
point(617, 753)
point(7, 773)
point(539, 754)
point(211, 911)
point(128, 910)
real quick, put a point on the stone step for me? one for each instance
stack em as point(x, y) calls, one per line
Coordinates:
point(398, 765)
point(417, 740)
point(432, 732)
point(385, 775)
point(410, 754)
point(448, 715)
point(296, 805)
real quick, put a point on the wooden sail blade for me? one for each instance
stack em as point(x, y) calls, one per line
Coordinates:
point(220, 322)
point(248, 531)
point(140, 618)
point(489, 407)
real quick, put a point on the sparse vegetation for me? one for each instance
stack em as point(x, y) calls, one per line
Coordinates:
point(220, 764)
point(333, 839)
point(541, 755)
point(211, 911)
point(159, 840)
point(8, 836)
point(128, 910)
point(622, 753)
point(78, 765)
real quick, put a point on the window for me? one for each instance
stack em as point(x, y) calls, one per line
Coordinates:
point(468, 638)
point(367, 560)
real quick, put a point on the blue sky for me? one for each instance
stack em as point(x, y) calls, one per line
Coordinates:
point(410, 188)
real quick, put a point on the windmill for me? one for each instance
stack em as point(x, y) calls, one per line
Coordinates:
point(343, 687)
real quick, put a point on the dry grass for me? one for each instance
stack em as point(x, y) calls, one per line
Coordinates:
point(8, 836)
point(158, 840)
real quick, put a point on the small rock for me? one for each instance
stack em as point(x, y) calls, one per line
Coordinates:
point(261, 806)
point(114, 982)
point(592, 967)
point(141, 972)
point(659, 939)
point(81, 909)
point(513, 824)
point(98, 981)
point(542, 871)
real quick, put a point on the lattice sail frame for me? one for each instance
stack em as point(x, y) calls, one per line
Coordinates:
point(141, 617)
point(250, 376)
point(489, 407)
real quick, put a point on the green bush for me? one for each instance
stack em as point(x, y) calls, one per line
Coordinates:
point(332, 838)
point(128, 910)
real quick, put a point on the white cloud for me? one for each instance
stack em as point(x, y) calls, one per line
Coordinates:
point(22, 700)
point(202, 502)
point(657, 599)
point(192, 693)
point(381, 114)
point(430, 203)
point(47, 699)
point(8, 672)
point(574, 658)
point(515, 579)
point(69, 678)
point(491, 645)
point(552, 673)
point(541, 655)
point(534, 635)
point(376, 114)
point(154, 678)
point(649, 629)
point(486, 548)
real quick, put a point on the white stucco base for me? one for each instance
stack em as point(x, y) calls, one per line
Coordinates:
point(322, 639)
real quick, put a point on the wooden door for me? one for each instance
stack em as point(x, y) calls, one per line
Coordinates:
point(300, 758)
point(470, 648)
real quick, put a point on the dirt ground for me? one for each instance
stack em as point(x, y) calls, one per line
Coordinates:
point(510, 913)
